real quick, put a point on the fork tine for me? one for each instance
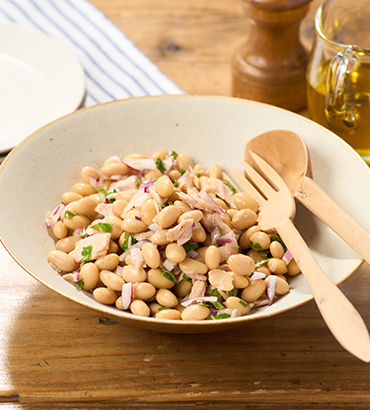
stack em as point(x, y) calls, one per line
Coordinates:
point(267, 169)
point(247, 186)
point(265, 188)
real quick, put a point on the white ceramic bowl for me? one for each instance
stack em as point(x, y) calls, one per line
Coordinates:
point(210, 129)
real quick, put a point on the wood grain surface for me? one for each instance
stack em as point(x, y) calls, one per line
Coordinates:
point(57, 354)
point(191, 41)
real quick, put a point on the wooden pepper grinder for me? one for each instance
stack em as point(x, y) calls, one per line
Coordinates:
point(270, 66)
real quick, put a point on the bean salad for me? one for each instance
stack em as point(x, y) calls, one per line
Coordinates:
point(163, 237)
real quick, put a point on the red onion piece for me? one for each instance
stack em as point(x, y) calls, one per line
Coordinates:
point(115, 178)
point(192, 254)
point(138, 244)
point(126, 295)
point(257, 276)
point(70, 277)
point(271, 288)
point(88, 232)
point(154, 227)
point(287, 257)
point(137, 199)
point(168, 162)
point(142, 164)
point(168, 265)
point(118, 270)
point(197, 276)
point(55, 216)
point(224, 239)
point(199, 299)
point(215, 234)
point(147, 185)
point(96, 182)
point(208, 198)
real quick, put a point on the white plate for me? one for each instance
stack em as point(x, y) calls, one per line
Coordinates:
point(40, 80)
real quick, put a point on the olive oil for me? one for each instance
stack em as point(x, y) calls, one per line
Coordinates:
point(357, 94)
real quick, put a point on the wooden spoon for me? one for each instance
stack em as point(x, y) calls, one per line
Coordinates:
point(294, 166)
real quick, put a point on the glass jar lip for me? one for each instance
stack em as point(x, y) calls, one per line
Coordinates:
point(320, 31)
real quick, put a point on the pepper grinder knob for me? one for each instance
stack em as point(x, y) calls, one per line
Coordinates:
point(270, 66)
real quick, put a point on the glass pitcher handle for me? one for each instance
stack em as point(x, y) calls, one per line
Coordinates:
point(341, 116)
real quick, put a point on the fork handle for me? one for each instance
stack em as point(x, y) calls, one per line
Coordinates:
point(341, 317)
point(324, 207)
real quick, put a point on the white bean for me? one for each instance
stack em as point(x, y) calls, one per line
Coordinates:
point(195, 312)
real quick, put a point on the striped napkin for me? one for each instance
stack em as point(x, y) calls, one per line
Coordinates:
point(113, 66)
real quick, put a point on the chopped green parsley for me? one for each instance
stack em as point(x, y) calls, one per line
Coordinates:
point(227, 183)
point(218, 305)
point(243, 303)
point(255, 245)
point(103, 227)
point(223, 200)
point(278, 239)
point(189, 246)
point(86, 253)
point(231, 292)
point(80, 283)
point(220, 316)
point(83, 232)
point(261, 263)
point(213, 292)
point(160, 204)
point(128, 241)
point(138, 183)
point(160, 165)
point(186, 278)
point(68, 214)
point(104, 192)
point(168, 275)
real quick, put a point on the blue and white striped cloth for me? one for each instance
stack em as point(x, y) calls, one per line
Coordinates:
point(113, 66)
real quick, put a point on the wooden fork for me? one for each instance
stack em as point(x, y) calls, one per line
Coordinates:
point(276, 211)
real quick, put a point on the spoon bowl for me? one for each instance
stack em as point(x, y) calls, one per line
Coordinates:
point(286, 152)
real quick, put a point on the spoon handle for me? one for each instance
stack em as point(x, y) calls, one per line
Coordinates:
point(324, 207)
point(343, 320)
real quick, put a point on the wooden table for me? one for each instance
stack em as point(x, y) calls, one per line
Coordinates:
point(57, 354)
